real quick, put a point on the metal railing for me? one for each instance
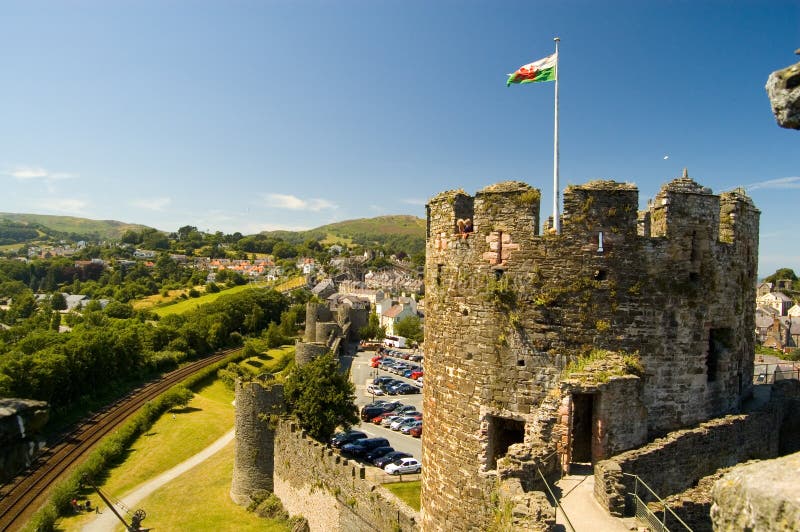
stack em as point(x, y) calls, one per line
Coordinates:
point(646, 515)
point(769, 373)
point(555, 500)
point(556, 503)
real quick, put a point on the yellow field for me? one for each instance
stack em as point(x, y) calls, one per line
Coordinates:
point(192, 303)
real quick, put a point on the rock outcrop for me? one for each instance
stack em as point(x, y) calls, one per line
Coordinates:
point(758, 496)
point(783, 88)
point(20, 422)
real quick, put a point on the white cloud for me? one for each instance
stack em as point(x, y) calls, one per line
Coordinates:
point(27, 173)
point(63, 205)
point(152, 204)
point(287, 201)
point(780, 183)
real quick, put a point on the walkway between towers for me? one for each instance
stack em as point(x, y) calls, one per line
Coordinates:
point(578, 502)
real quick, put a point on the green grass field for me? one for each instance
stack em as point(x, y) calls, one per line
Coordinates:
point(198, 499)
point(189, 304)
point(407, 491)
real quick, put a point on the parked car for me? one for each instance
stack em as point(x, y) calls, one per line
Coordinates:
point(380, 380)
point(374, 390)
point(416, 375)
point(388, 458)
point(405, 428)
point(390, 406)
point(416, 432)
point(395, 425)
point(391, 419)
point(361, 447)
point(346, 437)
point(377, 453)
point(380, 417)
point(369, 412)
point(404, 466)
point(403, 389)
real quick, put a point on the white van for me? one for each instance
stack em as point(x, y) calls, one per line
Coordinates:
point(398, 342)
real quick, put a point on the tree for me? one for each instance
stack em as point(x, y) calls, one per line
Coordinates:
point(58, 302)
point(410, 327)
point(373, 330)
point(782, 273)
point(321, 397)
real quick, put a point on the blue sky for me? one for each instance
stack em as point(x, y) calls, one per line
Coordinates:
point(251, 115)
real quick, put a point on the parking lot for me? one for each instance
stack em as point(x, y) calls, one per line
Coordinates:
point(362, 374)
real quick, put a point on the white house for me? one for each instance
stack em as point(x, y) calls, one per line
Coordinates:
point(777, 300)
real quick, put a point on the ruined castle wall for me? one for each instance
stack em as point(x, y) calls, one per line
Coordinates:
point(330, 491)
point(306, 352)
point(325, 329)
point(255, 438)
point(672, 464)
point(507, 308)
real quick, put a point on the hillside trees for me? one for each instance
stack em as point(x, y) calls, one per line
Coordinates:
point(113, 346)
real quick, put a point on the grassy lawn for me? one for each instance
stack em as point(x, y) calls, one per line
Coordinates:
point(188, 304)
point(407, 491)
point(158, 299)
point(200, 500)
point(291, 284)
point(273, 359)
point(207, 417)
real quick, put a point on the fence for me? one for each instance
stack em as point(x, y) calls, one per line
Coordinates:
point(769, 373)
point(641, 496)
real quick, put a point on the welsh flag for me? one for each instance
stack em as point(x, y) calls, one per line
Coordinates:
point(541, 70)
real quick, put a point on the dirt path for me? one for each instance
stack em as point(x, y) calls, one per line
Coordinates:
point(108, 521)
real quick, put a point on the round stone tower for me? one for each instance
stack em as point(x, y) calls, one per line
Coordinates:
point(253, 464)
point(507, 309)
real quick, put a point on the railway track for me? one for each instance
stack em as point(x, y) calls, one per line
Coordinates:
point(24, 495)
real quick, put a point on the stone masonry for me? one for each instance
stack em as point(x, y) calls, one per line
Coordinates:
point(311, 479)
point(507, 309)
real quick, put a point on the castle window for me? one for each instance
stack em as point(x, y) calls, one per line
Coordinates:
point(439, 268)
point(600, 242)
point(503, 433)
point(600, 275)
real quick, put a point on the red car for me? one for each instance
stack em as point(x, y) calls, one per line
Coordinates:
point(377, 419)
point(415, 375)
point(416, 432)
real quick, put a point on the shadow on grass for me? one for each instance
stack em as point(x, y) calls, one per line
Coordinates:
point(185, 410)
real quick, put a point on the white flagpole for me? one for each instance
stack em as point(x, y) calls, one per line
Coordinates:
point(556, 189)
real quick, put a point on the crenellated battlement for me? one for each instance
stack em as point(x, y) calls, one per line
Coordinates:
point(507, 309)
point(682, 208)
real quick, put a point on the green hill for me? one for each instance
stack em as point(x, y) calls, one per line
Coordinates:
point(406, 230)
point(19, 227)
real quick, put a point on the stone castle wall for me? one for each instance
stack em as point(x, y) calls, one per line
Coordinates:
point(312, 480)
point(507, 308)
point(672, 464)
point(330, 491)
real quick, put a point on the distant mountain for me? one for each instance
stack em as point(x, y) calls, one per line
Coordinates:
point(20, 227)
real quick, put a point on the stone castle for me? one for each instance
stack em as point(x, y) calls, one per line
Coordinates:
point(544, 350)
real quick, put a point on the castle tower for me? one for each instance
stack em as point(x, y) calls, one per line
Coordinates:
point(507, 309)
point(253, 464)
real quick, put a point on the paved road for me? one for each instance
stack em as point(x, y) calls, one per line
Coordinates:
point(361, 373)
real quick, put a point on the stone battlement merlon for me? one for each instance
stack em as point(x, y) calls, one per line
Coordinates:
point(681, 209)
